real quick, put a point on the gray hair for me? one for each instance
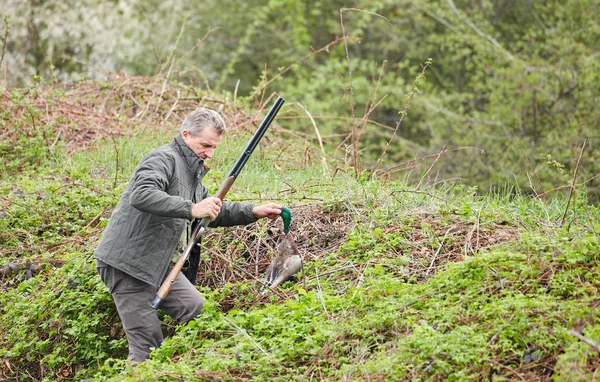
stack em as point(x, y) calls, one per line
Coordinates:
point(202, 118)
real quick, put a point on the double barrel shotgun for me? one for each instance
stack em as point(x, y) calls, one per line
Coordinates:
point(223, 189)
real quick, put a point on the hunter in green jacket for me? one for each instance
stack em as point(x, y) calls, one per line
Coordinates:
point(165, 193)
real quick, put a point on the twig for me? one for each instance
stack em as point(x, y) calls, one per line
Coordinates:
point(354, 156)
point(363, 123)
point(418, 192)
point(478, 222)
point(263, 104)
point(470, 236)
point(173, 107)
point(164, 86)
point(561, 187)
point(200, 41)
point(580, 124)
point(500, 330)
point(438, 250)
point(245, 333)
point(508, 368)
point(478, 31)
point(5, 41)
point(431, 166)
point(320, 293)
point(248, 273)
point(150, 37)
point(336, 270)
point(369, 107)
point(434, 16)
point(295, 63)
point(323, 155)
point(562, 221)
point(584, 339)
point(116, 162)
point(373, 89)
point(237, 84)
point(340, 118)
point(33, 30)
point(143, 112)
point(412, 161)
point(404, 112)
point(88, 224)
point(529, 164)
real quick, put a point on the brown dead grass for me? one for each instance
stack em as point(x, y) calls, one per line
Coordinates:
point(242, 254)
point(83, 113)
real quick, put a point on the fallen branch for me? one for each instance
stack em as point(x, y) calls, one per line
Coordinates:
point(507, 368)
point(584, 339)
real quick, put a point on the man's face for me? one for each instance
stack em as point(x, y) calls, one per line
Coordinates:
point(204, 143)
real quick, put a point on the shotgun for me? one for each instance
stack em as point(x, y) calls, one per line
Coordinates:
point(162, 293)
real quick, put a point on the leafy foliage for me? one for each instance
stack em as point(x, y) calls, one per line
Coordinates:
point(516, 80)
point(409, 282)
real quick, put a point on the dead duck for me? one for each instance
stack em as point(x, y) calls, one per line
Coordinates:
point(288, 261)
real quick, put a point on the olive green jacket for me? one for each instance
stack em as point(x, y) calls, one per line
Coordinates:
point(147, 223)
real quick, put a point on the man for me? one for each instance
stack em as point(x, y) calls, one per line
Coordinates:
point(165, 193)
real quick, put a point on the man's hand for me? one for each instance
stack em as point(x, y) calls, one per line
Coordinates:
point(207, 208)
point(269, 210)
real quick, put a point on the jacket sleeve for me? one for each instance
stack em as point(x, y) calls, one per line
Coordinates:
point(151, 182)
point(234, 213)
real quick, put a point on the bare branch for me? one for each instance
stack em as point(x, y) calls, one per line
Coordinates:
point(354, 156)
point(562, 221)
point(585, 339)
point(323, 155)
point(404, 112)
point(478, 31)
point(529, 164)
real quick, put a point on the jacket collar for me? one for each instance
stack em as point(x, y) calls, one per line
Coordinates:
point(193, 161)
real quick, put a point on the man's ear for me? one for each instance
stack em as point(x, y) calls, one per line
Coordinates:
point(185, 133)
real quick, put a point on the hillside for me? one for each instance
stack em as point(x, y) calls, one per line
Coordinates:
point(403, 281)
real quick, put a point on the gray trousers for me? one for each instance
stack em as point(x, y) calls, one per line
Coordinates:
point(133, 298)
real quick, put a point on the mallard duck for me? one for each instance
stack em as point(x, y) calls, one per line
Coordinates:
point(288, 261)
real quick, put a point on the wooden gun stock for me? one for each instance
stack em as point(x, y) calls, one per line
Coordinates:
point(225, 186)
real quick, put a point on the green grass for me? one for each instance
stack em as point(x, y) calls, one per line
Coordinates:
point(425, 284)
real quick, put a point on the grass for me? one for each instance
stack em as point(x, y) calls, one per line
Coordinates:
point(402, 282)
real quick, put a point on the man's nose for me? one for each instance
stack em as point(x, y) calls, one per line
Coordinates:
point(208, 153)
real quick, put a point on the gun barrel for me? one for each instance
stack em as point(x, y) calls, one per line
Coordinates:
point(237, 168)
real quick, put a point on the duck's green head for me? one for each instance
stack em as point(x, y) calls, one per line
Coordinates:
point(286, 215)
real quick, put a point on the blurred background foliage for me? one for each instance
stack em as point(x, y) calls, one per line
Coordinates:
point(519, 80)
